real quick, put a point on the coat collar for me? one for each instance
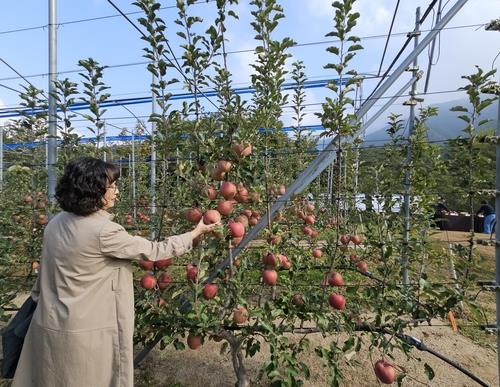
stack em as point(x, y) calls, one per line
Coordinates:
point(104, 213)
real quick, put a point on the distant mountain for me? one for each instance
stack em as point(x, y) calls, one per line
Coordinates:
point(445, 125)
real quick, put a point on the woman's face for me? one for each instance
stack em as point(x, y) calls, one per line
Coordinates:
point(110, 196)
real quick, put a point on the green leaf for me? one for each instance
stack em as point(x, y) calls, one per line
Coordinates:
point(429, 371)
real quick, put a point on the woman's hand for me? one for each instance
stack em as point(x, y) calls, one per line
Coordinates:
point(202, 228)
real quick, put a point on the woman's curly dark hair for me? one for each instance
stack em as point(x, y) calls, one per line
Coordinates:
point(82, 186)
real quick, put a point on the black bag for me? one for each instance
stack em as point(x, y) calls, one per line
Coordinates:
point(13, 337)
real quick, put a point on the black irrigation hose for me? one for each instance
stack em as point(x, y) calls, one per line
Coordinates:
point(422, 347)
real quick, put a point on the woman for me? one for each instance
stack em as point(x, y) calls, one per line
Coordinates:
point(81, 332)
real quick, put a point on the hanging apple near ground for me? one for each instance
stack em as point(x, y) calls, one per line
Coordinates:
point(210, 291)
point(163, 263)
point(385, 372)
point(194, 341)
point(148, 281)
point(191, 272)
point(146, 264)
point(337, 301)
point(240, 315)
point(270, 277)
point(164, 281)
point(336, 279)
point(362, 266)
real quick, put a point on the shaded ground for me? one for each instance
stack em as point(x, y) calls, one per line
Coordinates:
point(208, 368)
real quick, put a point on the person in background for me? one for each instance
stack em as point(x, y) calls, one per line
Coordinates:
point(82, 328)
point(488, 212)
point(440, 210)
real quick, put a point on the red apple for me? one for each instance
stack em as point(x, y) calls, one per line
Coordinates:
point(224, 165)
point(210, 192)
point(148, 281)
point(160, 301)
point(242, 219)
point(209, 291)
point(225, 207)
point(281, 189)
point(242, 194)
point(228, 190)
point(253, 221)
point(286, 264)
point(362, 266)
point(317, 253)
point(194, 342)
point(344, 239)
point(163, 263)
point(337, 301)
point(385, 372)
point(356, 239)
point(270, 277)
point(307, 230)
point(298, 300)
point(191, 272)
point(42, 219)
point(146, 265)
point(274, 239)
point(28, 199)
point(236, 241)
point(164, 281)
point(242, 149)
point(309, 219)
point(193, 215)
point(336, 279)
point(240, 315)
point(236, 229)
point(247, 151)
point(217, 174)
point(270, 260)
point(211, 217)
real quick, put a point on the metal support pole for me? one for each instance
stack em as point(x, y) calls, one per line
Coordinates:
point(407, 185)
point(431, 57)
point(153, 160)
point(497, 234)
point(133, 176)
point(52, 118)
point(1, 157)
point(104, 156)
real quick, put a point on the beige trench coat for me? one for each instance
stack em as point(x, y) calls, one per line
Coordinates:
point(81, 332)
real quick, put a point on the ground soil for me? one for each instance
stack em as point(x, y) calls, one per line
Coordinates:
point(208, 368)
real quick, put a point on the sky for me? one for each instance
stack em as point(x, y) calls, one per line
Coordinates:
point(112, 41)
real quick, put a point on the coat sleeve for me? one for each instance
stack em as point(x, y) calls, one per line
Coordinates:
point(116, 242)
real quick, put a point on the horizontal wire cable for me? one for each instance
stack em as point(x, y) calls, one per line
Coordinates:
point(242, 51)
